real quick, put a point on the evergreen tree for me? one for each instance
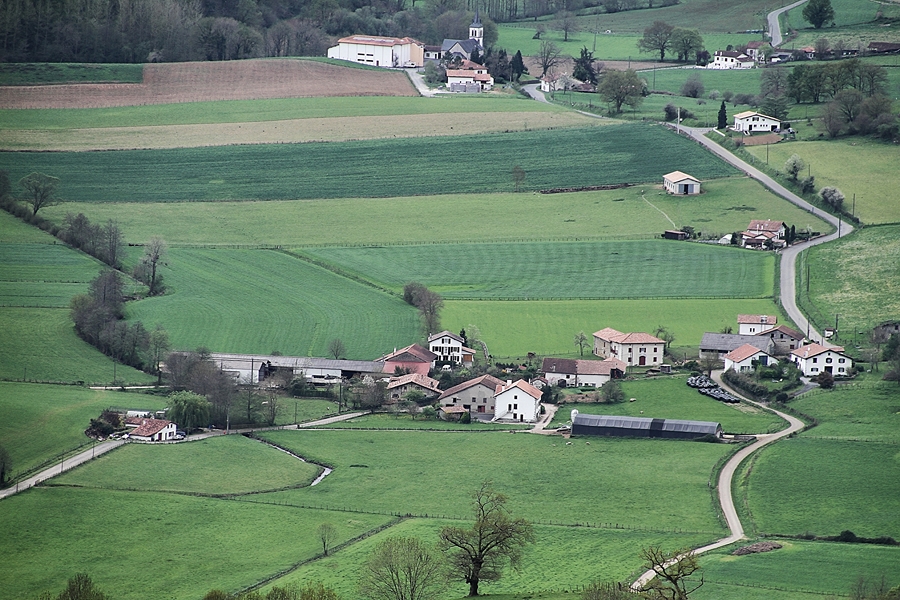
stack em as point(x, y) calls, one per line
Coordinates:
point(723, 117)
point(517, 65)
point(584, 67)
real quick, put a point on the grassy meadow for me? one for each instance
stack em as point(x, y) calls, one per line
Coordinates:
point(868, 412)
point(54, 73)
point(43, 275)
point(726, 205)
point(361, 169)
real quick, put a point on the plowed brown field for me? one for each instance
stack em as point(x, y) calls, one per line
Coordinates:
point(202, 81)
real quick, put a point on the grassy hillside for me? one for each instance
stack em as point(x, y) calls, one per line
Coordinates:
point(44, 73)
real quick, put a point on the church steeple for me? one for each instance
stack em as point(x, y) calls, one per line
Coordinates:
point(476, 29)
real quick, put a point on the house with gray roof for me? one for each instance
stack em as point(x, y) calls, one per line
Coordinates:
point(621, 426)
point(717, 345)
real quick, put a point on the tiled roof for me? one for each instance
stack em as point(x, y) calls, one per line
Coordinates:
point(453, 410)
point(559, 365)
point(757, 319)
point(785, 330)
point(611, 335)
point(416, 378)
point(412, 353)
point(679, 176)
point(814, 349)
point(522, 385)
point(742, 353)
point(751, 113)
point(726, 342)
point(150, 427)
point(600, 367)
point(488, 381)
point(765, 225)
point(444, 333)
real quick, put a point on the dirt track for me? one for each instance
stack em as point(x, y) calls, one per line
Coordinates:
point(204, 81)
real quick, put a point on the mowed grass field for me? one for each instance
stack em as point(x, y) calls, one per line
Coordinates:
point(658, 269)
point(868, 412)
point(512, 329)
point(727, 205)
point(854, 165)
point(43, 275)
point(260, 301)
point(38, 422)
point(605, 482)
point(50, 73)
point(376, 168)
point(855, 277)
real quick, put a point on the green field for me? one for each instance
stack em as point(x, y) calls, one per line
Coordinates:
point(38, 422)
point(363, 169)
point(799, 570)
point(511, 329)
point(14, 231)
point(737, 81)
point(139, 545)
point(405, 421)
point(658, 268)
point(260, 301)
point(854, 165)
point(43, 73)
point(671, 398)
point(221, 465)
point(726, 205)
point(855, 277)
point(43, 275)
point(869, 412)
point(394, 472)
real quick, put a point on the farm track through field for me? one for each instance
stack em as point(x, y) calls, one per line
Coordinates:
point(168, 83)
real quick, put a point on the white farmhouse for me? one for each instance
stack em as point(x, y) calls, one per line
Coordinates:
point(379, 51)
point(728, 59)
point(680, 183)
point(754, 324)
point(751, 122)
point(449, 348)
point(475, 395)
point(517, 401)
point(741, 359)
point(153, 430)
point(631, 348)
point(813, 359)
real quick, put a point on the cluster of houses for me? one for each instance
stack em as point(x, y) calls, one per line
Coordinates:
point(760, 52)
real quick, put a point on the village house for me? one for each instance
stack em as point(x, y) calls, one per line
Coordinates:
point(398, 387)
point(469, 77)
point(813, 359)
point(883, 331)
point(577, 373)
point(681, 184)
point(379, 51)
point(257, 368)
point(764, 234)
point(717, 345)
point(465, 48)
point(153, 430)
point(475, 395)
point(517, 401)
point(632, 348)
point(449, 348)
point(751, 122)
point(412, 359)
point(753, 324)
point(784, 338)
point(757, 49)
point(730, 59)
point(742, 358)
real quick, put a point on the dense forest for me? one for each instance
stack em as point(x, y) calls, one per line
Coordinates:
point(128, 31)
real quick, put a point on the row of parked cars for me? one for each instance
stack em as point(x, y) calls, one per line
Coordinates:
point(708, 387)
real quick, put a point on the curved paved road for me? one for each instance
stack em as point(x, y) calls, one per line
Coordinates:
point(789, 256)
point(775, 26)
point(726, 476)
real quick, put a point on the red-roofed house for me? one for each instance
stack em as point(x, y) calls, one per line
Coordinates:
point(475, 395)
point(813, 359)
point(449, 348)
point(399, 386)
point(153, 430)
point(379, 51)
point(753, 324)
point(517, 401)
point(784, 338)
point(631, 348)
point(582, 372)
point(412, 359)
point(469, 77)
point(742, 357)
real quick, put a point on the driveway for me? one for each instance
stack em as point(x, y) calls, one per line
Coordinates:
point(532, 90)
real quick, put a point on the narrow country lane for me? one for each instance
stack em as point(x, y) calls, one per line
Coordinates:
point(775, 26)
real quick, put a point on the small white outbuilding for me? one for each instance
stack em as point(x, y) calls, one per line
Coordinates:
point(681, 184)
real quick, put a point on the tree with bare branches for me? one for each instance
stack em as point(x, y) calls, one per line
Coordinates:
point(548, 57)
point(672, 571)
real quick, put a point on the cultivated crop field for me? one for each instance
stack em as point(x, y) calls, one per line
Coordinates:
point(260, 301)
point(43, 275)
point(727, 205)
point(855, 277)
point(657, 268)
point(359, 169)
point(671, 398)
point(514, 328)
point(54, 73)
point(378, 471)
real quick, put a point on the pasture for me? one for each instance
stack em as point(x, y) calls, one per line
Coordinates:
point(658, 268)
point(360, 169)
point(396, 472)
point(855, 277)
point(671, 398)
point(52, 73)
point(14, 231)
point(737, 81)
point(405, 421)
point(854, 165)
point(38, 422)
point(43, 275)
point(857, 412)
point(260, 301)
point(727, 205)
point(511, 329)
point(193, 543)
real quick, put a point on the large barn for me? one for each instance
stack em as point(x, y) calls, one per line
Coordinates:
point(620, 426)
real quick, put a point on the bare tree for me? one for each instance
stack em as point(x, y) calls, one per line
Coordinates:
point(430, 304)
point(709, 365)
point(271, 410)
point(665, 335)
point(336, 348)
point(581, 340)
point(41, 189)
point(402, 568)
point(495, 539)
point(833, 119)
point(146, 269)
point(327, 535)
point(548, 57)
point(567, 22)
point(672, 571)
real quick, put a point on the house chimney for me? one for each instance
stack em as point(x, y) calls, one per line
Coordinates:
point(509, 382)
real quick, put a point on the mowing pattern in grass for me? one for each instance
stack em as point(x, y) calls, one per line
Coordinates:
point(393, 472)
point(43, 275)
point(855, 277)
point(14, 231)
point(203, 543)
point(221, 465)
point(257, 301)
point(802, 570)
point(363, 169)
point(657, 268)
point(562, 558)
point(671, 398)
point(546, 327)
point(38, 73)
point(37, 422)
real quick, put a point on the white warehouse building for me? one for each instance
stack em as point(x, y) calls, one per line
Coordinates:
point(379, 51)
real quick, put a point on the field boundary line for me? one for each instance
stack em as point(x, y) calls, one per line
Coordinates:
point(644, 198)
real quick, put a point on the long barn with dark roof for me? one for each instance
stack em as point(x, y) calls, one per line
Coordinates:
point(620, 426)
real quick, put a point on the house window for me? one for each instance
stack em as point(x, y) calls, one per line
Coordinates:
point(814, 370)
point(643, 350)
point(828, 360)
point(841, 360)
point(655, 349)
point(515, 407)
point(815, 360)
point(840, 369)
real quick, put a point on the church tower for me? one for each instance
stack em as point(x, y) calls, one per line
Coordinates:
point(476, 29)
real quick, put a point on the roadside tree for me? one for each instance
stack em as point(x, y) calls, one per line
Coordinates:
point(723, 117)
point(40, 189)
point(402, 568)
point(833, 197)
point(657, 38)
point(793, 166)
point(621, 87)
point(549, 56)
point(494, 540)
point(189, 410)
point(672, 570)
point(818, 13)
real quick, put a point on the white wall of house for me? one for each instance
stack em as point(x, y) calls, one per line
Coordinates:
point(753, 328)
point(477, 399)
point(747, 363)
point(829, 361)
point(515, 404)
point(756, 122)
point(592, 380)
point(682, 187)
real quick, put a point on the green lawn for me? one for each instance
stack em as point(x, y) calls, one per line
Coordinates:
point(659, 269)
point(138, 545)
point(37, 422)
point(864, 412)
point(799, 570)
point(737, 81)
point(405, 421)
point(15, 231)
point(672, 398)
point(260, 301)
point(511, 329)
point(361, 169)
point(43, 73)
point(726, 205)
point(433, 473)
point(856, 278)
point(855, 165)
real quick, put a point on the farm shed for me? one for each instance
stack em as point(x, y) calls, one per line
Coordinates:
point(379, 51)
point(620, 426)
point(673, 234)
point(750, 121)
point(681, 184)
point(255, 368)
